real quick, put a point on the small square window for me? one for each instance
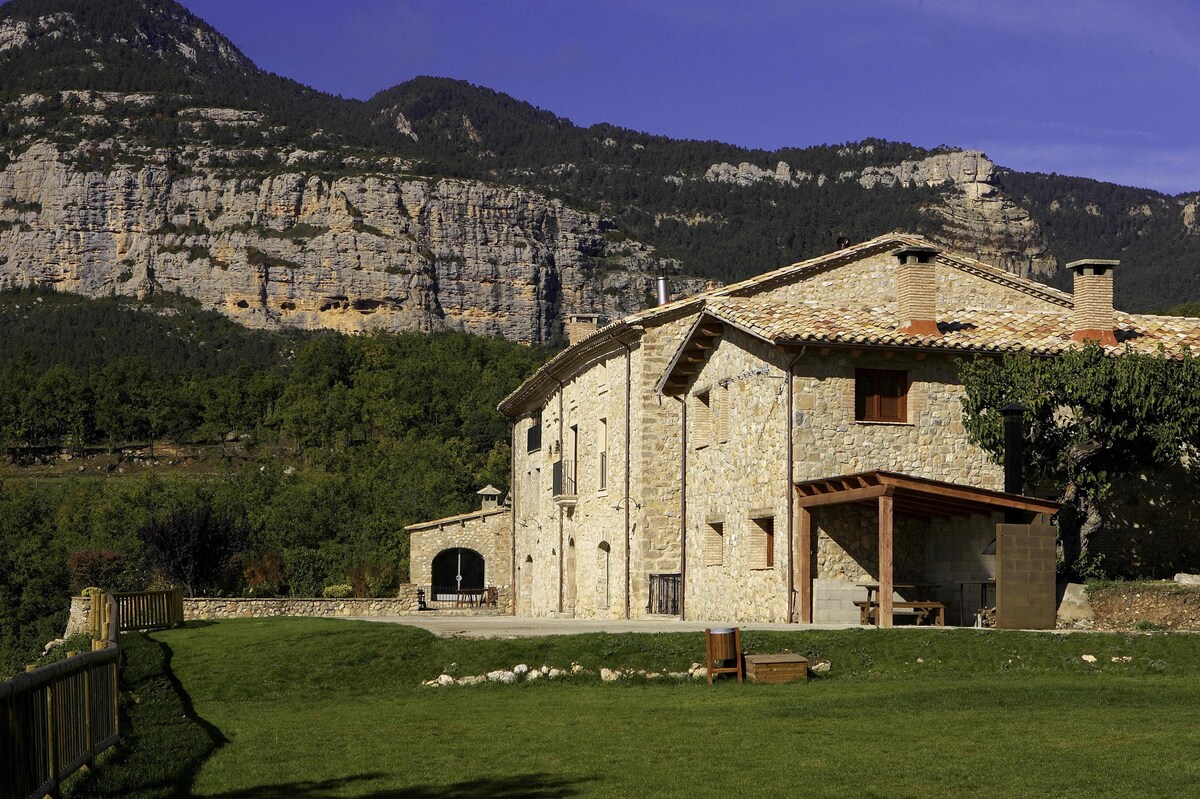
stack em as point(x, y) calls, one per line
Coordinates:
point(880, 395)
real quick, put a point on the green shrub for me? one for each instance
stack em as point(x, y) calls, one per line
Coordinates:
point(339, 591)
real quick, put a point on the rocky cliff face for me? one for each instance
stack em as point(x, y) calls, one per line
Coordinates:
point(976, 216)
point(379, 250)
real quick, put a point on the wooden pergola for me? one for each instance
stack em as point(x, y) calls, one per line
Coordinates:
point(893, 494)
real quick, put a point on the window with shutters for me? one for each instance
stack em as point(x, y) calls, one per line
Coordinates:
point(702, 419)
point(762, 543)
point(880, 395)
point(720, 412)
point(602, 441)
point(714, 544)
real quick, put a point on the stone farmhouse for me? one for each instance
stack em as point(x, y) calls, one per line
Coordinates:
point(767, 450)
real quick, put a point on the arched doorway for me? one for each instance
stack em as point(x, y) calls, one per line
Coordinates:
point(457, 569)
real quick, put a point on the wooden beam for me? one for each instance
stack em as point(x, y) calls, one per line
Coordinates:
point(711, 331)
point(803, 567)
point(886, 551)
point(840, 497)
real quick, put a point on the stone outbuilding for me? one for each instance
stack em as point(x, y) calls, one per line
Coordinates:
point(780, 448)
point(456, 560)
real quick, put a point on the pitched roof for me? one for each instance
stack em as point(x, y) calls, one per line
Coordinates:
point(971, 330)
point(566, 363)
point(461, 518)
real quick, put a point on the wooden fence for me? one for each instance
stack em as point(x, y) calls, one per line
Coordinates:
point(149, 610)
point(55, 720)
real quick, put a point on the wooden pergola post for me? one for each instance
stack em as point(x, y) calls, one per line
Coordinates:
point(803, 565)
point(886, 518)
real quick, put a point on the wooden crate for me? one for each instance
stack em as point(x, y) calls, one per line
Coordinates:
point(776, 668)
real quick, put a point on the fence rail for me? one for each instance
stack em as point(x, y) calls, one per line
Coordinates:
point(150, 610)
point(56, 719)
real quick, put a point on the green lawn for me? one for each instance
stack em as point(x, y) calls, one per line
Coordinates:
point(307, 708)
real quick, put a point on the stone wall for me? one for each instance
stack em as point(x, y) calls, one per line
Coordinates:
point(215, 608)
point(872, 281)
point(737, 461)
point(737, 473)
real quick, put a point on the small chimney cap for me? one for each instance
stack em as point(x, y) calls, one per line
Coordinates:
point(923, 254)
point(488, 491)
point(1095, 262)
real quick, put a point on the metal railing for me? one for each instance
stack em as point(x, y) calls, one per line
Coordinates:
point(563, 482)
point(664, 594)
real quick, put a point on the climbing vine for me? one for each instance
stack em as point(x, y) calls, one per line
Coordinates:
point(1092, 419)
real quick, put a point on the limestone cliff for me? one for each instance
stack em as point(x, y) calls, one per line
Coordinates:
point(378, 250)
point(976, 215)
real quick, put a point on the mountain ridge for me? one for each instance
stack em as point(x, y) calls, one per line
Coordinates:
point(280, 205)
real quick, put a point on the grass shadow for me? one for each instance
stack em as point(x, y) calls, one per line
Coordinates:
point(525, 786)
point(164, 741)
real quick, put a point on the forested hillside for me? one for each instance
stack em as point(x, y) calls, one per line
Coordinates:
point(280, 464)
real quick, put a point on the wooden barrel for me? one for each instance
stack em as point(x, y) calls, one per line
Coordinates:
point(724, 646)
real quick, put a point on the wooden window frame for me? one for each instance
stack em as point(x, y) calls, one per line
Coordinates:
point(871, 392)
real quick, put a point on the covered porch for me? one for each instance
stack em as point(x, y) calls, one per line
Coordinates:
point(937, 523)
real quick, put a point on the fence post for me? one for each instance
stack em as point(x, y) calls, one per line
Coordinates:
point(52, 733)
point(88, 733)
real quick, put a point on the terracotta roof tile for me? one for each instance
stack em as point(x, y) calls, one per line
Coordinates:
point(969, 329)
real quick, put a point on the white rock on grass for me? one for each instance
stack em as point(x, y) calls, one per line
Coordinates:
point(533, 675)
point(1122, 659)
point(576, 668)
point(1088, 658)
point(473, 679)
point(520, 669)
point(555, 673)
point(699, 673)
point(445, 679)
point(609, 676)
point(545, 669)
point(820, 667)
point(506, 677)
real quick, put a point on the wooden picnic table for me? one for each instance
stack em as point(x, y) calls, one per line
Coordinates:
point(922, 608)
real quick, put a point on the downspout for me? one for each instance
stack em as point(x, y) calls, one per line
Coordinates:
point(628, 450)
point(563, 470)
point(792, 614)
point(683, 506)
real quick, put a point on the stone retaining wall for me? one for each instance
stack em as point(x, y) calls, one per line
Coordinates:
point(208, 608)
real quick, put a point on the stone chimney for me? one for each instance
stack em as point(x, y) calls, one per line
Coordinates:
point(1093, 319)
point(489, 494)
point(580, 326)
point(916, 289)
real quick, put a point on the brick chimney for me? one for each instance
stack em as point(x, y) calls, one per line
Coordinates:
point(580, 326)
point(1093, 319)
point(916, 288)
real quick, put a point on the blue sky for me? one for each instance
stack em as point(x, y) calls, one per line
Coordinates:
point(1106, 89)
